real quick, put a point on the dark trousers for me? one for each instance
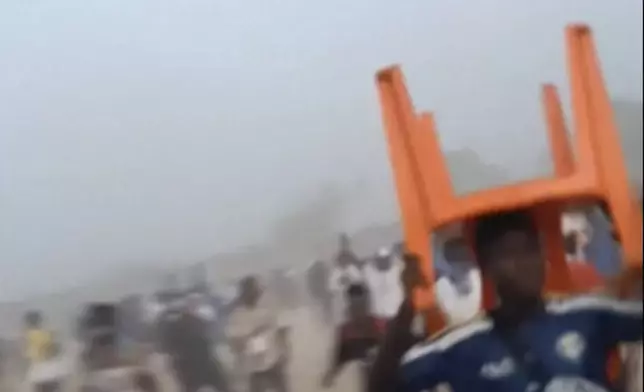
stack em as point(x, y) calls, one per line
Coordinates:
point(192, 379)
point(51, 386)
point(274, 380)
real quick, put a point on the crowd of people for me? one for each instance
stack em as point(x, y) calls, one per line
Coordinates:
point(527, 343)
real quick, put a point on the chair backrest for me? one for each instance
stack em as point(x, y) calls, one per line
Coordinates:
point(596, 173)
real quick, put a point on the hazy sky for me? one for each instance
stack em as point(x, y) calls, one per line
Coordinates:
point(133, 131)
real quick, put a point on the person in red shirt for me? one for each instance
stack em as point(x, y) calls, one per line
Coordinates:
point(358, 338)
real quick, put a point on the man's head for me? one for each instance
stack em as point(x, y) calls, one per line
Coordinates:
point(398, 248)
point(146, 382)
point(358, 301)
point(249, 291)
point(33, 319)
point(455, 250)
point(508, 248)
point(383, 260)
point(345, 258)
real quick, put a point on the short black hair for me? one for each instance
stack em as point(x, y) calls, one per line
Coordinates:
point(490, 228)
point(247, 281)
point(356, 290)
point(146, 382)
point(454, 249)
point(33, 319)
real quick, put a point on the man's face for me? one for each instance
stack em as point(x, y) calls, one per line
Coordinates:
point(383, 263)
point(516, 264)
point(358, 306)
point(250, 292)
point(344, 260)
point(456, 250)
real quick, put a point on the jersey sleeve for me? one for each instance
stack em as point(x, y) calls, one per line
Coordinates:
point(618, 321)
point(422, 368)
point(621, 321)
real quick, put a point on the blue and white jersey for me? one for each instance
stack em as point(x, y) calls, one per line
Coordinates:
point(564, 349)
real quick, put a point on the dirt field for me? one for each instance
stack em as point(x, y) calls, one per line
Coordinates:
point(311, 343)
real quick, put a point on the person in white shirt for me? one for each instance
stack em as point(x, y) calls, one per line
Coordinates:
point(345, 273)
point(382, 278)
point(259, 337)
point(578, 232)
point(459, 284)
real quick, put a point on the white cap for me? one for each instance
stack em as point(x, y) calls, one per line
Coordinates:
point(384, 252)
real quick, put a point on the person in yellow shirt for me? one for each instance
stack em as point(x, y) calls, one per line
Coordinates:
point(41, 351)
point(39, 340)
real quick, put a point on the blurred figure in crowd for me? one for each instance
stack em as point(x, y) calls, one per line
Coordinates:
point(318, 284)
point(131, 325)
point(399, 336)
point(382, 277)
point(145, 382)
point(186, 339)
point(602, 249)
point(357, 338)
point(458, 284)
point(346, 271)
point(212, 307)
point(577, 234)
point(104, 366)
point(584, 275)
point(260, 340)
point(46, 372)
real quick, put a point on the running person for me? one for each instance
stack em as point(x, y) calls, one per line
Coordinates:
point(358, 338)
point(186, 339)
point(259, 339)
point(382, 277)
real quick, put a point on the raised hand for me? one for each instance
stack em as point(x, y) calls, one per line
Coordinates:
point(412, 276)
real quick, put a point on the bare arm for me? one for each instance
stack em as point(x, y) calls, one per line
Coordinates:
point(384, 375)
point(336, 363)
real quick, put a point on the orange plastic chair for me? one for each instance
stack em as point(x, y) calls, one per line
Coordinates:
point(597, 174)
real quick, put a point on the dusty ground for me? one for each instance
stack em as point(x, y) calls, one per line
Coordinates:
point(310, 353)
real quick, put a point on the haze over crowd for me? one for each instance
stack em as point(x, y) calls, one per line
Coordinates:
point(146, 133)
